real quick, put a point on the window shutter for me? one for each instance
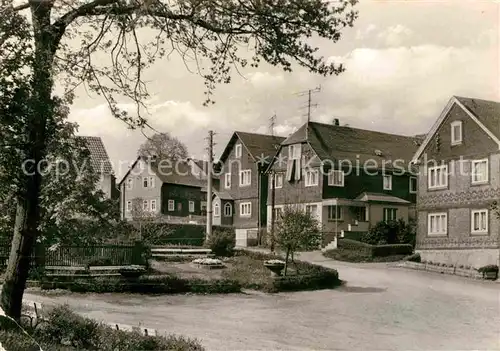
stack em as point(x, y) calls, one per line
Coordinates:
point(298, 169)
point(289, 170)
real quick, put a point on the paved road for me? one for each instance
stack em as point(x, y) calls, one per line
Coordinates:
point(380, 308)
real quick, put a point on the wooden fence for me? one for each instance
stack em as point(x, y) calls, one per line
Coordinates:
point(101, 255)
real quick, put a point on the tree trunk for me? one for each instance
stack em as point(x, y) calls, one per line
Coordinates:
point(41, 107)
point(286, 260)
point(23, 242)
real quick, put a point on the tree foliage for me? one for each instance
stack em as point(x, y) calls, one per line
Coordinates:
point(391, 232)
point(164, 147)
point(297, 230)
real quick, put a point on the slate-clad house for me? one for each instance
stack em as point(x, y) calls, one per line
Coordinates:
point(241, 200)
point(101, 164)
point(459, 179)
point(337, 174)
point(174, 191)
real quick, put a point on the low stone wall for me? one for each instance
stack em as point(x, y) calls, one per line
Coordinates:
point(462, 257)
point(469, 273)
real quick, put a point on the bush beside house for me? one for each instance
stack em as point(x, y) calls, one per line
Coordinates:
point(356, 251)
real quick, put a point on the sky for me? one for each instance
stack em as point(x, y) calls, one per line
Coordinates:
point(404, 60)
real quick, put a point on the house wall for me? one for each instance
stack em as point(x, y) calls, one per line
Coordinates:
point(181, 195)
point(376, 212)
point(459, 245)
point(241, 193)
point(138, 191)
point(106, 184)
point(357, 181)
point(295, 192)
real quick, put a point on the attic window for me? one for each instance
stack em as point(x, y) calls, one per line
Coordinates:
point(378, 152)
point(237, 151)
point(456, 132)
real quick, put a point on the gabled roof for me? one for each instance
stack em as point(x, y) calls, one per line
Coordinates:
point(179, 173)
point(484, 112)
point(98, 156)
point(202, 167)
point(337, 143)
point(258, 145)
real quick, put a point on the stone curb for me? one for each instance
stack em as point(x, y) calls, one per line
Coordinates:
point(467, 273)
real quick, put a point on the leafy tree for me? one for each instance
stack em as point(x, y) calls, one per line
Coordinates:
point(164, 147)
point(391, 232)
point(275, 31)
point(297, 230)
point(140, 215)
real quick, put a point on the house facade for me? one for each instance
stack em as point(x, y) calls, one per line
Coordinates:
point(242, 195)
point(170, 191)
point(459, 179)
point(101, 165)
point(348, 178)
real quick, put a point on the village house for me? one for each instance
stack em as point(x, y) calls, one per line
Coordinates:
point(101, 164)
point(171, 191)
point(241, 200)
point(348, 178)
point(459, 179)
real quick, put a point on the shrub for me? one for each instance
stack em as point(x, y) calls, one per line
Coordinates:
point(221, 242)
point(392, 232)
point(63, 326)
point(413, 258)
point(491, 268)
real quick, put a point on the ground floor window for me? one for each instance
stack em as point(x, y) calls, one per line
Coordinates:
point(312, 210)
point(228, 210)
point(335, 213)
point(437, 224)
point(360, 214)
point(479, 221)
point(390, 214)
point(246, 209)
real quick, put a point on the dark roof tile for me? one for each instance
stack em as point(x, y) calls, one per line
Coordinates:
point(98, 155)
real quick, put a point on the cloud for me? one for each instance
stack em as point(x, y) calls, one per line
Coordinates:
point(266, 79)
point(402, 90)
point(395, 35)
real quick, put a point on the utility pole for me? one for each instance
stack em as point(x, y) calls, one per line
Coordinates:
point(209, 181)
point(273, 211)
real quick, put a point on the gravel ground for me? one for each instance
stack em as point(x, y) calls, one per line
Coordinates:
point(380, 308)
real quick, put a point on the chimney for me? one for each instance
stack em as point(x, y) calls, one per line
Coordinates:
point(336, 122)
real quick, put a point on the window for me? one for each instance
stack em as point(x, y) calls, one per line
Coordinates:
point(227, 181)
point(413, 185)
point(130, 183)
point(148, 182)
point(191, 206)
point(456, 132)
point(129, 206)
point(245, 209)
point(245, 177)
point(312, 177)
point(216, 209)
point(237, 151)
point(153, 205)
point(171, 205)
point(278, 212)
point(145, 205)
point(228, 210)
point(438, 177)
point(387, 182)
point(203, 209)
point(278, 181)
point(390, 214)
point(312, 210)
point(479, 222)
point(360, 214)
point(336, 178)
point(437, 224)
point(335, 213)
point(479, 171)
point(294, 151)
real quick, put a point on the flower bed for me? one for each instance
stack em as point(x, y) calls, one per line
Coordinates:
point(210, 263)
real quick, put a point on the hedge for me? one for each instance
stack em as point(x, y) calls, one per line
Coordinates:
point(152, 284)
point(175, 233)
point(375, 250)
